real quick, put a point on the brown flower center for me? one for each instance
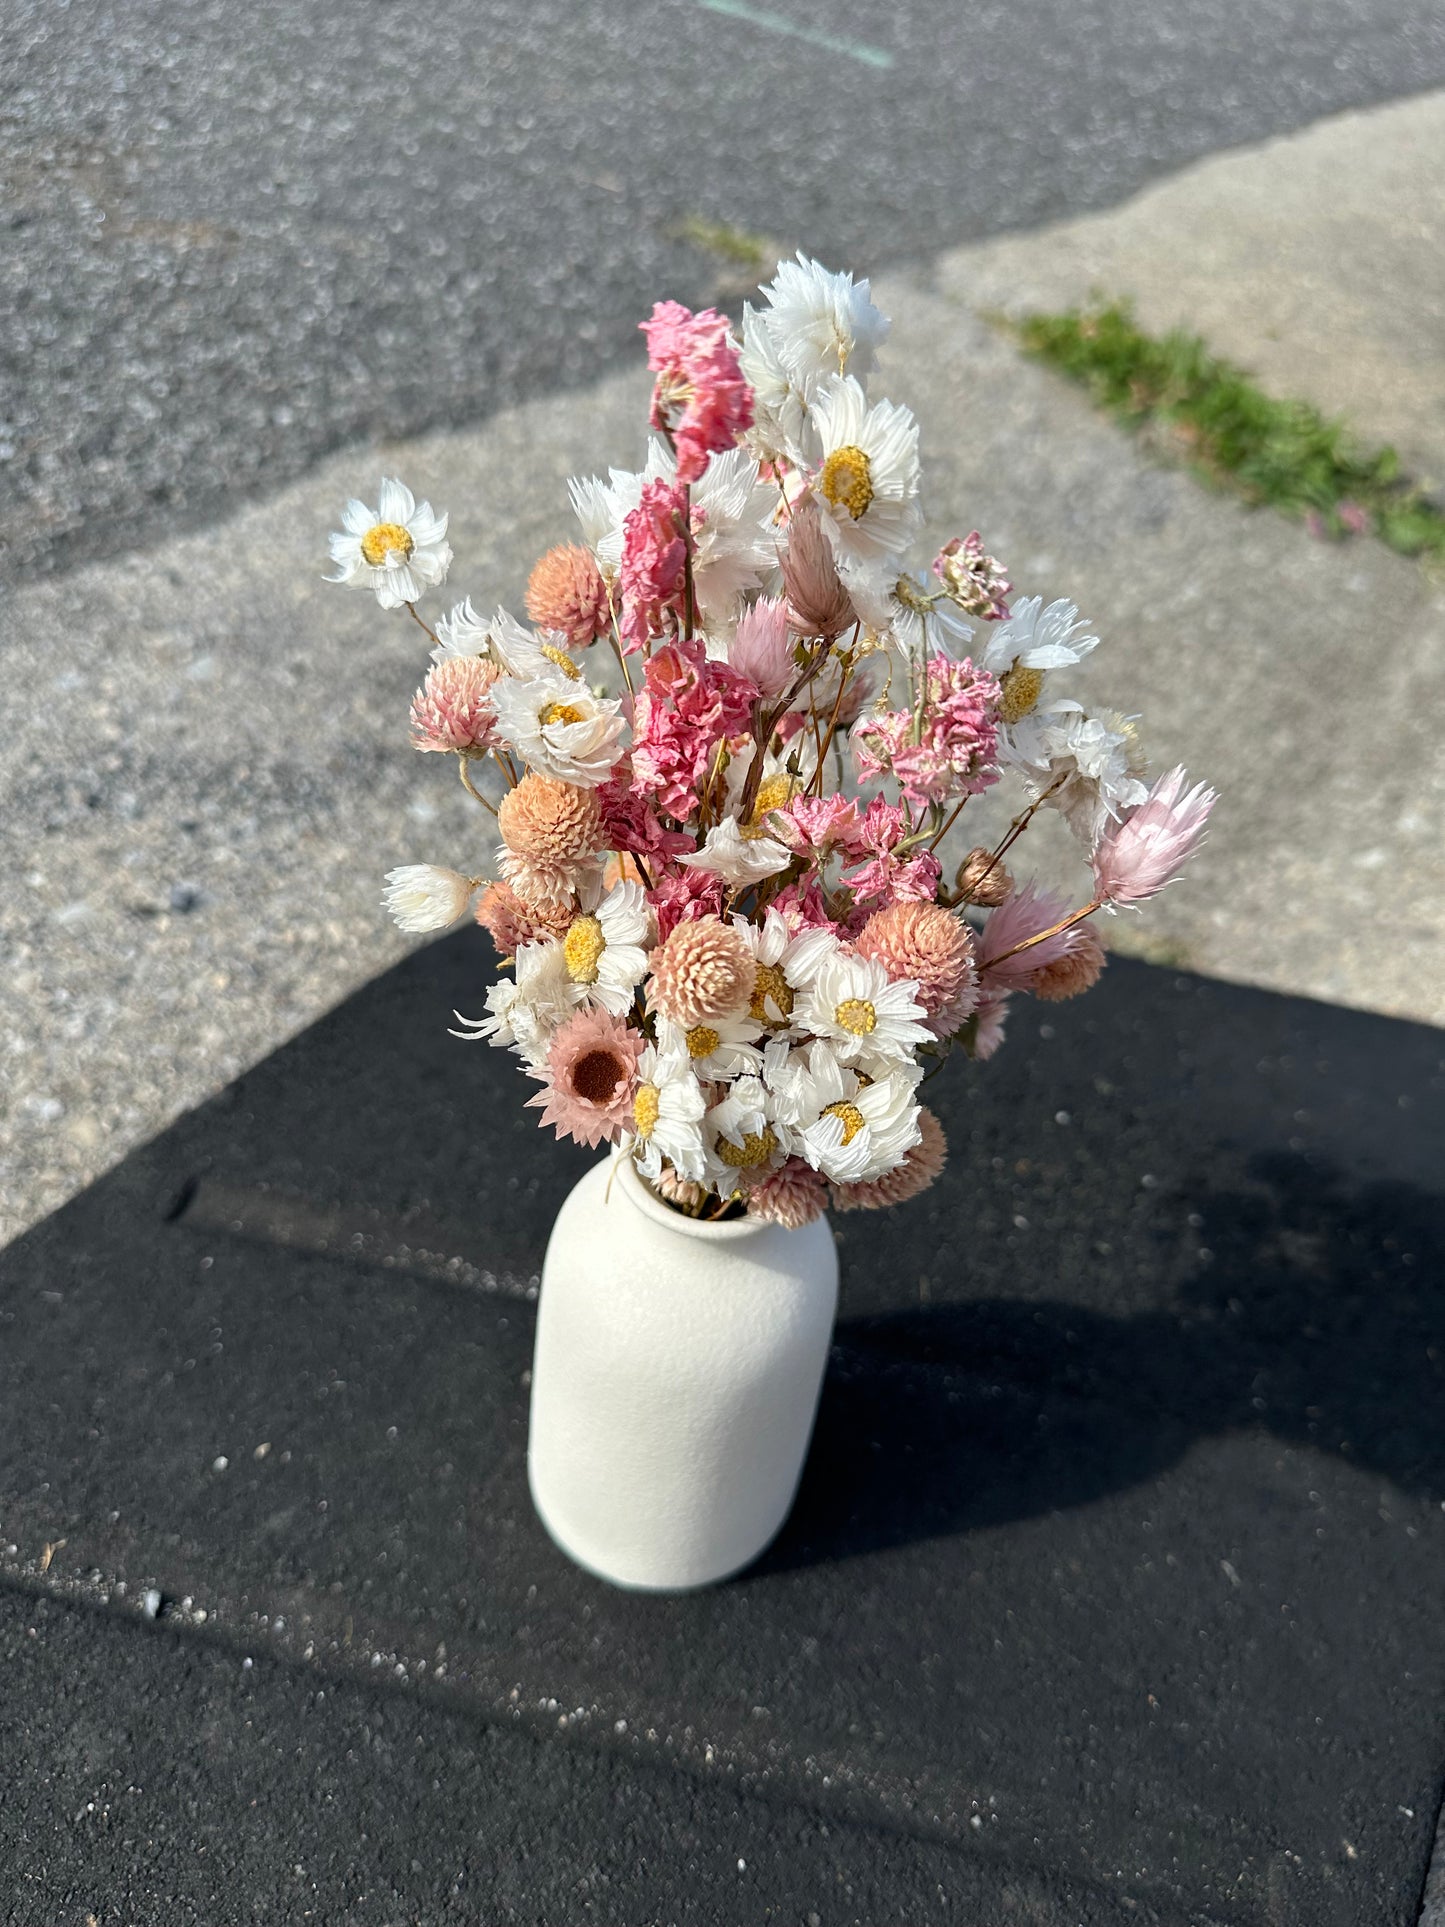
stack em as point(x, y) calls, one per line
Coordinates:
point(582, 948)
point(596, 1076)
point(702, 1041)
point(771, 992)
point(383, 539)
point(847, 479)
point(1021, 689)
point(857, 1016)
point(561, 713)
point(851, 1117)
point(756, 1148)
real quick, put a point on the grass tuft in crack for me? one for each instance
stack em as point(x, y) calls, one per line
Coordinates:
point(1193, 408)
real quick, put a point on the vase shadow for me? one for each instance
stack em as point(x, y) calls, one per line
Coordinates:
point(1320, 1315)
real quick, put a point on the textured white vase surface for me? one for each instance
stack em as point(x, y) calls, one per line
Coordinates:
point(675, 1381)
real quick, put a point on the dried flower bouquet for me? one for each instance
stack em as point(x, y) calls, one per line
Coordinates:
point(725, 954)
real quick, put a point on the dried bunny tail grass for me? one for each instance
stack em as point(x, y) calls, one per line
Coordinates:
point(549, 822)
point(917, 1171)
point(791, 1196)
point(932, 947)
point(703, 969)
point(566, 594)
point(510, 922)
point(1073, 973)
point(818, 604)
point(452, 711)
point(983, 881)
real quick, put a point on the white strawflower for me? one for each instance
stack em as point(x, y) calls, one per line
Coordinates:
point(739, 856)
point(421, 897)
point(1096, 761)
point(460, 632)
point(602, 507)
point(732, 514)
point(559, 727)
point(786, 962)
point(867, 484)
point(848, 1126)
point(867, 1017)
point(721, 1047)
point(779, 409)
point(822, 323)
point(398, 549)
point(1024, 647)
point(667, 1113)
point(526, 1009)
point(607, 943)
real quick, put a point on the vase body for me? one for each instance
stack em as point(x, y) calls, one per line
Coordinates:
point(674, 1383)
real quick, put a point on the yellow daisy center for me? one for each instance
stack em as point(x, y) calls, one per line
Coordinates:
point(857, 1016)
point(770, 986)
point(1020, 688)
point(848, 479)
point(756, 1148)
point(645, 1108)
point(583, 947)
point(702, 1041)
point(773, 793)
point(561, 713)
point(852, 1118)
point(383, 539)
point(563, 661)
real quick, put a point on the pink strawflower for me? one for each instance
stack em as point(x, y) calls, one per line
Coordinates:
point(512, 922)
point(762, 647)
point(918, 1170)
point(567, 596)
point(973, 578)
point(959, 734)
point(1073, 973)
point(590, 1077)
point(685, 896)
point(654, 558)
point(687, 705)
point(700, 396)
point(701, 970)
point(1134, 859)
point(453, 710)
point(1020, 916)
point(792, 1196)
point(932, 947)
point(550, 821)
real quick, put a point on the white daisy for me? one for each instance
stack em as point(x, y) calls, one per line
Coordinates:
point(422, 897)
point(1096, 761)
point(740, 1144)
point(559, 727)
point(722, 1047)
point(525, 1010)
point(787, 960)
point(822, 323)
point(398, 550)
point(667, 1112)
point(738, 854)
point(606, 945)
point(1033, 640)
point(868, 1017)
point(850, 1126)
point(867, 484)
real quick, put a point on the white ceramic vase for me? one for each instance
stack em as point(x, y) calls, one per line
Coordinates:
point(675, 1381)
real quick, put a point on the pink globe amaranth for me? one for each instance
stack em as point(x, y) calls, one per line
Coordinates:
point(452, 711)
point(934, 948)
point(567, 596)
point(792, 1196)
point(906, 1180)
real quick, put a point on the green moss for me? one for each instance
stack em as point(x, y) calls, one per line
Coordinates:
point(752, 253)
point(1193, 408)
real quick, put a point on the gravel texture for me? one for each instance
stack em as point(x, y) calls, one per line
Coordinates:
point(234, 243)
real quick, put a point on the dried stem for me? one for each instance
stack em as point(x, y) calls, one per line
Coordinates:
point(1065, 923)
point(468, 785)
point(411, 611)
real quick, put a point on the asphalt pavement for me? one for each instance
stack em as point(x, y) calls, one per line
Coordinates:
point(237, 240)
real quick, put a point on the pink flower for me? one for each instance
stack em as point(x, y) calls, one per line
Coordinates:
point(1020, 916)
point(983, 1033)
point(687, 705)
point(791, 1196)
point(762, 647)
point(654, 558)
point(1135, 858)
point(685, 896)
point(453, 710)
point(700, 397)
point(631, 823)
point(884, 874)
point(959, 731)
point(973, 578)
point(802, 907)
point(812, 826)
point(590, 1077)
